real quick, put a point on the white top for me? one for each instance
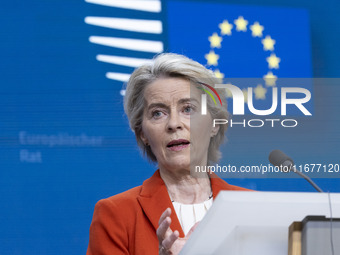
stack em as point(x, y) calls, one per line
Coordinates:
point(189, 214)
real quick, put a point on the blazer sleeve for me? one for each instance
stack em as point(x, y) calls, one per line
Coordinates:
point(108, 232)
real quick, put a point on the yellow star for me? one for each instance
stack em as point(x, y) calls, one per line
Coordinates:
point(212, 58)
point(256, 29)
point(260, 92)
point(225, 27)
point(218, 74)
point(270, 79)
point(245, 94)
point(215, 41)
point(273, 61)
point(241, 24)
point(268, 43)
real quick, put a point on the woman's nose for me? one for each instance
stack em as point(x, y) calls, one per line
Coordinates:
point(174, 122)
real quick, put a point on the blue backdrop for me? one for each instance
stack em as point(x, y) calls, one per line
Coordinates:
point(64, 139)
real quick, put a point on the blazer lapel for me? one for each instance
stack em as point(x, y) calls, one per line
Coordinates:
point(154, 199)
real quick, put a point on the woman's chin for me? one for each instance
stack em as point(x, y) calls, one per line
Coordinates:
point(178, 163)
point(182, 162)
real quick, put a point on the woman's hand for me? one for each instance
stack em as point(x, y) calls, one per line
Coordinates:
point(169, 241)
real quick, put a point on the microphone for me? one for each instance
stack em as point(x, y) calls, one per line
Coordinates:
point(286, 164)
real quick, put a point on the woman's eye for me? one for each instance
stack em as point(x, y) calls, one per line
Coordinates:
point(157, 114)
point(188, 109)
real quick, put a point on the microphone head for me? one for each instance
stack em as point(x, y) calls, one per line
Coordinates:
point(277, 158)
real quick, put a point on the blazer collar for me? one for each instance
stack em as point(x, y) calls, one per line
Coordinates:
point(154, 199)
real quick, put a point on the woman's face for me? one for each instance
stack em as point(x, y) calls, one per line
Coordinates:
point(172, 106)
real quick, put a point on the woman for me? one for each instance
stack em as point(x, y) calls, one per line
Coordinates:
point(163, 104)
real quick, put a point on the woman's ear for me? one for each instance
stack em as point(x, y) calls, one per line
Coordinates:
point(215, 130)
point(144, 139)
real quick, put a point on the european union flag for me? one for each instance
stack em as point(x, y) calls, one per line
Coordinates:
point(245, 42)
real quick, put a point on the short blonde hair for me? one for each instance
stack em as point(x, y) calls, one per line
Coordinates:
point(172, 65)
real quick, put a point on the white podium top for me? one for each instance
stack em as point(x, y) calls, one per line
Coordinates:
point(248, 223)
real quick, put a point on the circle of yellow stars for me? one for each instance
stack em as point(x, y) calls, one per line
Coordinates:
point(241, 25)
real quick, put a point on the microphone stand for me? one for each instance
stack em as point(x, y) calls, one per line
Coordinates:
point(307, 179)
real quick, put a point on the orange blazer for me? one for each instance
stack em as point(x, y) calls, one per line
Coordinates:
point(126, 223)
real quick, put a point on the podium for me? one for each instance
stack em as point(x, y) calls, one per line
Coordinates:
point(248, 223)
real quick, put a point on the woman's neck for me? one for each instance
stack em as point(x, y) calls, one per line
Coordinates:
point(184, 188)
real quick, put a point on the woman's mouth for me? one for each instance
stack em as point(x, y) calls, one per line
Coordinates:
point(177, 145)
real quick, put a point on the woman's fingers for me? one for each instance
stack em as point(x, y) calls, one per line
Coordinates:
point(163, 229)
point(165, 214)
point(166, 237)
point(169, 241)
